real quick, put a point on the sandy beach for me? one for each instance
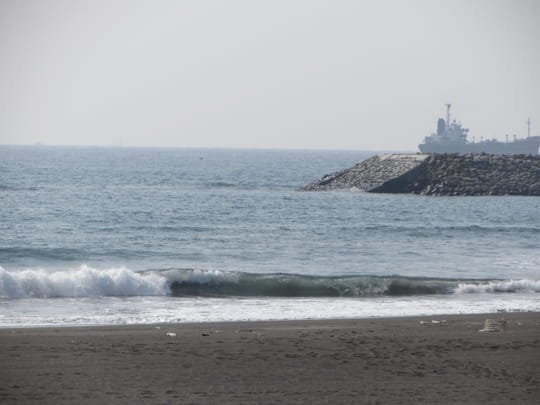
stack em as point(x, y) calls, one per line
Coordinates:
point(432, 360)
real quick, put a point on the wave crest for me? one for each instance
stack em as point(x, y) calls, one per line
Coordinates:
point(219, 283)
point(83, 282)
point(499, 286)
point(87, 282)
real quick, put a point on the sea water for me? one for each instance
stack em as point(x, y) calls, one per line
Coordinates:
point(95, 236)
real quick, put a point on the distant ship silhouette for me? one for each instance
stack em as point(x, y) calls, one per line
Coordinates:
point(451, 137)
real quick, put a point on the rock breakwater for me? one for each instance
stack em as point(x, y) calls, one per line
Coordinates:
point(439, 174)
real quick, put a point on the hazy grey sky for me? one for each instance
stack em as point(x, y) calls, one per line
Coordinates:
point(271, 74)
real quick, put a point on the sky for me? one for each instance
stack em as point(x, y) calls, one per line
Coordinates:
point(293, 74)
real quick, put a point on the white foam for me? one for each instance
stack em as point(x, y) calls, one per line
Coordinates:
point(505, 286)
point(82, 282)
point(32, 312)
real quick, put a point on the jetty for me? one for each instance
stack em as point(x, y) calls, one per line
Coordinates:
point(438, 174)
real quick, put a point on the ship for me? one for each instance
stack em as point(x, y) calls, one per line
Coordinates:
point(451, 137)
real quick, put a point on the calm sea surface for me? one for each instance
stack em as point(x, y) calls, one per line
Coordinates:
point(125, 235)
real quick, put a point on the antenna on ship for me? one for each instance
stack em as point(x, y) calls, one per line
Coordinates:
point(529, 127)
point(448, 114)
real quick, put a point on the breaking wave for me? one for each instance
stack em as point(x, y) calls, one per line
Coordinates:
point(121, 282)
point(83, 282)
point(499, 286)
point(208, 283)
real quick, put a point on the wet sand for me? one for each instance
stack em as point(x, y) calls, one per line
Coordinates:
point(369, 361)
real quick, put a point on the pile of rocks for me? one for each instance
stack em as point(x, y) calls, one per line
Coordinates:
point(369, 174)
point(440, 174)
point(480, 174)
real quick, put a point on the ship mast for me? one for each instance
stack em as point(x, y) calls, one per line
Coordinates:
point(529, 127)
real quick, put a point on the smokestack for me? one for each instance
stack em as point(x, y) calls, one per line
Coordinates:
point(448, 115)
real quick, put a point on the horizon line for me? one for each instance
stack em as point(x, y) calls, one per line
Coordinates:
point(44, 145)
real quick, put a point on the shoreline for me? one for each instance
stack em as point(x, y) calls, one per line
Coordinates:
point(420, 359)
point(498, 314)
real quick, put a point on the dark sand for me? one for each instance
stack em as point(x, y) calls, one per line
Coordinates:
point(371, 361)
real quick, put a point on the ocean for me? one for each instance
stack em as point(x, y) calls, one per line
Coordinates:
point(103, 236)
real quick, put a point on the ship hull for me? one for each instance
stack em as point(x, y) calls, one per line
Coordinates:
point(529, 146)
